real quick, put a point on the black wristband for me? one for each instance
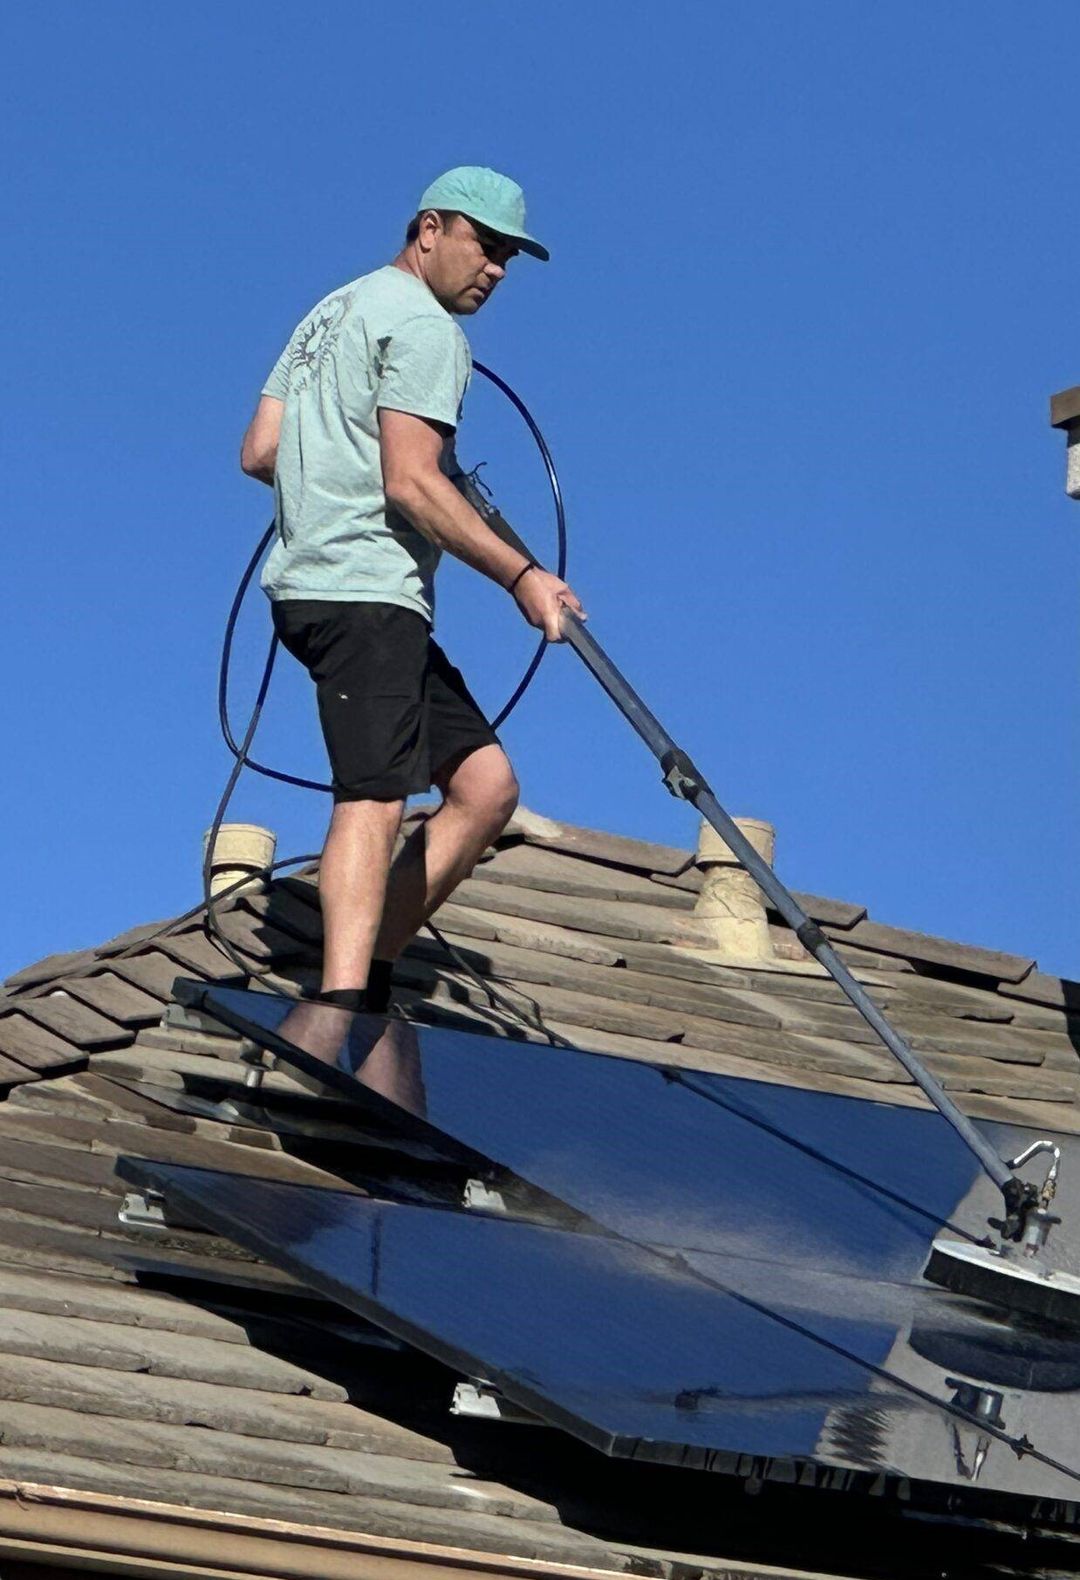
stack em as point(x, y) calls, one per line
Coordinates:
point(522, 572)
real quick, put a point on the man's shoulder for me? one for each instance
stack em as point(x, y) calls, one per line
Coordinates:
point(344, 298)
point(389, 293)
point(396, 298)
point(389, 304)
point(398, 309)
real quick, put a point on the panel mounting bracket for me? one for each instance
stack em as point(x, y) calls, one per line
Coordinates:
point(480, 1197)
point(256, 1062)
point(142, 1209)
point(483, 1401)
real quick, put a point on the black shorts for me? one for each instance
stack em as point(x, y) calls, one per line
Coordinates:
point(394, 710)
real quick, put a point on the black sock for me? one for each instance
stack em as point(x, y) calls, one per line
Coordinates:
point(353, 999)
point(377, 992)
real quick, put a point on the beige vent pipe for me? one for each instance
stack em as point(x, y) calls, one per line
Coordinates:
point(241, 849)
point(730, 903)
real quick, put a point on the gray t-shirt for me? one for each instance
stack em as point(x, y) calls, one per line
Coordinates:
point(381, 341)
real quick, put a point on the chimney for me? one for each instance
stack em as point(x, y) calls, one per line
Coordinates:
point(1065, 413)
point(730, 903)
point(241, 849)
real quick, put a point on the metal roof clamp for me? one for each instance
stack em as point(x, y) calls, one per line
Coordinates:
point(142, 1209)
point(477, 1397)
point(479, 1196)
point(257, 1062)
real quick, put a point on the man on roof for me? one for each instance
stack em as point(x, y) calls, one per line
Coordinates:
point(350, 430)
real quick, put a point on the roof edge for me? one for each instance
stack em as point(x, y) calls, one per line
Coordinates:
point(38, 1520)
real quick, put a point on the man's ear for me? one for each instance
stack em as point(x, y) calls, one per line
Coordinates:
point(430, 226)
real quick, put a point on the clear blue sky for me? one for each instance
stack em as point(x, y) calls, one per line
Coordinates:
point(812, 281)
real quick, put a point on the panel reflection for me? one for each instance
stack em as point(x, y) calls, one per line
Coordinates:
point(381, 1055)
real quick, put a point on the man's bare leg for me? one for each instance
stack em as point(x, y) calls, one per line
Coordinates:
point(352, 888)
point(479, 796)
point(353, 876)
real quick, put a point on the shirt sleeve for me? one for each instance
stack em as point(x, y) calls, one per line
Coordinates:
point(423, 368)
point(277, 383)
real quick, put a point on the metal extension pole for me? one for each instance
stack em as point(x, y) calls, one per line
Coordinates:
point(686, 781)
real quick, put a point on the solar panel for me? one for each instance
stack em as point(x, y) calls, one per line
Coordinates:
point(703, 1162)
point(622, 1345)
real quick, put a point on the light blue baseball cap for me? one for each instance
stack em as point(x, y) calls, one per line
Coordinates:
point(487, 197)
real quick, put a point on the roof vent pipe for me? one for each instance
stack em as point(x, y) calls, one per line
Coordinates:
point(240, 850)
point(730, 903)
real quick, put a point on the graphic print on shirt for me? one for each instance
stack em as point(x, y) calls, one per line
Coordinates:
point(316, 340)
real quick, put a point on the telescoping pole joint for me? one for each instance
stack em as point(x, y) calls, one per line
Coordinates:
point(680, 775)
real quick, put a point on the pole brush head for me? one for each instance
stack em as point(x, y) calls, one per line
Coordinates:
point(1004, 1279)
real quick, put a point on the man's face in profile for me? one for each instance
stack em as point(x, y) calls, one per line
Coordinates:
point(466, 261)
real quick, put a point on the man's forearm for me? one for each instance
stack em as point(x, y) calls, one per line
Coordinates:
point(434, 507)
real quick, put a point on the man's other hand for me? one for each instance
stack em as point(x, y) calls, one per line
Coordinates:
point(542, 597)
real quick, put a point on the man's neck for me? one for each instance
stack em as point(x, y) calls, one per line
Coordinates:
point(409, 263)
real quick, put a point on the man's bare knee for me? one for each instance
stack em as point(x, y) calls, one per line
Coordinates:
point(484, 788)
point(506, 797)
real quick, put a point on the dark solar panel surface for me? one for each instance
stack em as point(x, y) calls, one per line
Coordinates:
point(698, 1161)
point(806, 1216)
point(612, 1342)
